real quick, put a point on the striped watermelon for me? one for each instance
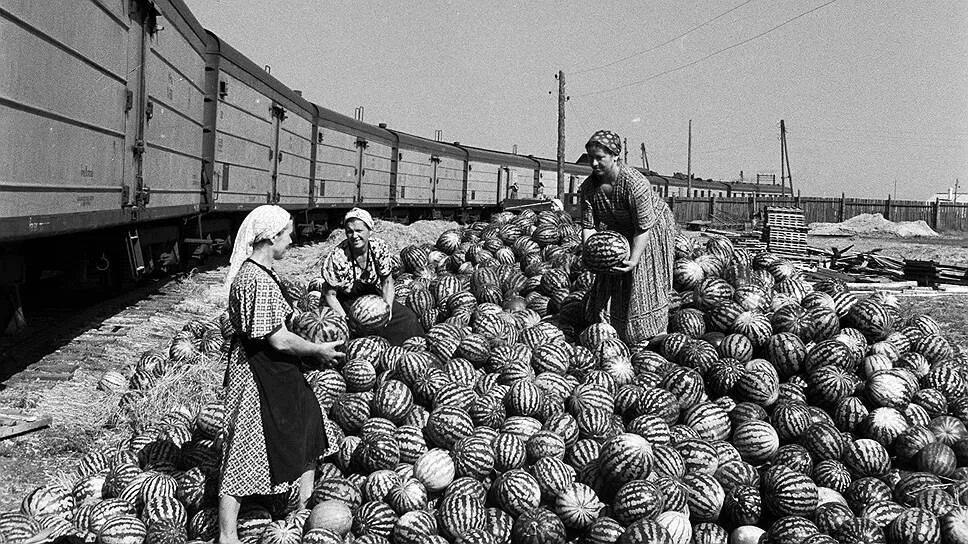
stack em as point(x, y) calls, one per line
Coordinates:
point(123, 529)
point(368, 313)
point(578, 506)
point(435, 469)
point(636, 500)
point(756, 441)
point(705, 498)
point(538, 526)
point(787, 492)
point(516, 492)
point(604, 250)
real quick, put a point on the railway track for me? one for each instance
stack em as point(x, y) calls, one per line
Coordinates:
point(61, 341)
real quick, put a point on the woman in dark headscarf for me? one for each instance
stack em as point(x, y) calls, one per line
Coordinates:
point(361, 266)
point(635, 297)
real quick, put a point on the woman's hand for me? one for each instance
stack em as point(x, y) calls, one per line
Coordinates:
point(626, 266)
point(327, 353)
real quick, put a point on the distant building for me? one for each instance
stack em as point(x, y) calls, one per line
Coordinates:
point(959, 196)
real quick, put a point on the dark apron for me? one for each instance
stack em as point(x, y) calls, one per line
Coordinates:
point(291, 418)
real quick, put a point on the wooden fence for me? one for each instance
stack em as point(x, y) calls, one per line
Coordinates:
point(941, 216)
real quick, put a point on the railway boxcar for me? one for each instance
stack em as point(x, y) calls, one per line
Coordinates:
point(261, 135)
point(429, 173)
point(354, 162)
point(484, 171)
point(118, 138)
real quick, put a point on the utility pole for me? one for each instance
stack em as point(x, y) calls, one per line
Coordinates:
point(782, 166)
point(894, 194)
point(561, 134)
point(784, 160)
point(625, 146)
point(689, 163)
point(956, 191)
point(645, 158)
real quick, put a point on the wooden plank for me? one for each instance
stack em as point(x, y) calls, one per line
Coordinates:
point(857, 286)
point(22, 427)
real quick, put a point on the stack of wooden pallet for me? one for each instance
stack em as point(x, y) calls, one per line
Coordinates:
point(785, 233)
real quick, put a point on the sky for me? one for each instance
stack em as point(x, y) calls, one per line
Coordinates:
point(873, 93)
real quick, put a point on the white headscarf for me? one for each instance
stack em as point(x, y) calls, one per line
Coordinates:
point(361, 214)
point(261, 224)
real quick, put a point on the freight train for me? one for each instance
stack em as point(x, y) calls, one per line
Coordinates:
point(134, 138)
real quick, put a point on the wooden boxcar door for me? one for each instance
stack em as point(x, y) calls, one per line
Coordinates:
point(134, 194)
point(276, 113)
point(435, 165)
point(359, 171)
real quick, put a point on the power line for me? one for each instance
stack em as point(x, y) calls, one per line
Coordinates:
point(663, 44)
point(713, 54)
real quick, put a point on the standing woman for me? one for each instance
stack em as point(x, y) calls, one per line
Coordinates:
point(273, 421)
point(635, 297)
point(361, 265)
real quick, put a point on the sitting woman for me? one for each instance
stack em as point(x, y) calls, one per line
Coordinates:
point(359, 266)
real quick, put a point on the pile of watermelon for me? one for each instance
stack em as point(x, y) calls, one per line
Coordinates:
point(774, 411)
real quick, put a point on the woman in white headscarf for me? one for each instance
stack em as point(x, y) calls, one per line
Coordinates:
point(361, 265)
point(274, 429)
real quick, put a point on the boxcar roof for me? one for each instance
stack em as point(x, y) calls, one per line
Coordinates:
point(256, 76)
point(185, 21)
point(426, 145)
point(331, 119)
point(499, 157)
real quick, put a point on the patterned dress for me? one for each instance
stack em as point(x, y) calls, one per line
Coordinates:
point(258, 308)
point(348, 278)
point(343, 273)
point(637, 303)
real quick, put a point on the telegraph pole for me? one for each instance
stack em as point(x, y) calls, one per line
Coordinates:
point(561, 134)
point(782, 166)
point(645, 157)
point(689, 163)
point(784, 160)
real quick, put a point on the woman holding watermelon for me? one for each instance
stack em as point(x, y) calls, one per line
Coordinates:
point(274, 425)
point(361, 266)
point(634, 296)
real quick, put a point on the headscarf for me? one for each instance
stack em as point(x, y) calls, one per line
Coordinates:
point(607, 140)
point(360, 214)
point(261, 224)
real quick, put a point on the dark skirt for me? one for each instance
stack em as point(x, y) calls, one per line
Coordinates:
point(403, 325)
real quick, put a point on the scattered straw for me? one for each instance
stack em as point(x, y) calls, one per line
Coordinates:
point(190, 386)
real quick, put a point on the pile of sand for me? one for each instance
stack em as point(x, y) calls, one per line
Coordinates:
point(873, 225)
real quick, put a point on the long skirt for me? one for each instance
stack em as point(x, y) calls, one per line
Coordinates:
point(636, 304)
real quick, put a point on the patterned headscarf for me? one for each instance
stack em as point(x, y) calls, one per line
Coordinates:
point(261, 224)
point(360, 214)
point(607, 140)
